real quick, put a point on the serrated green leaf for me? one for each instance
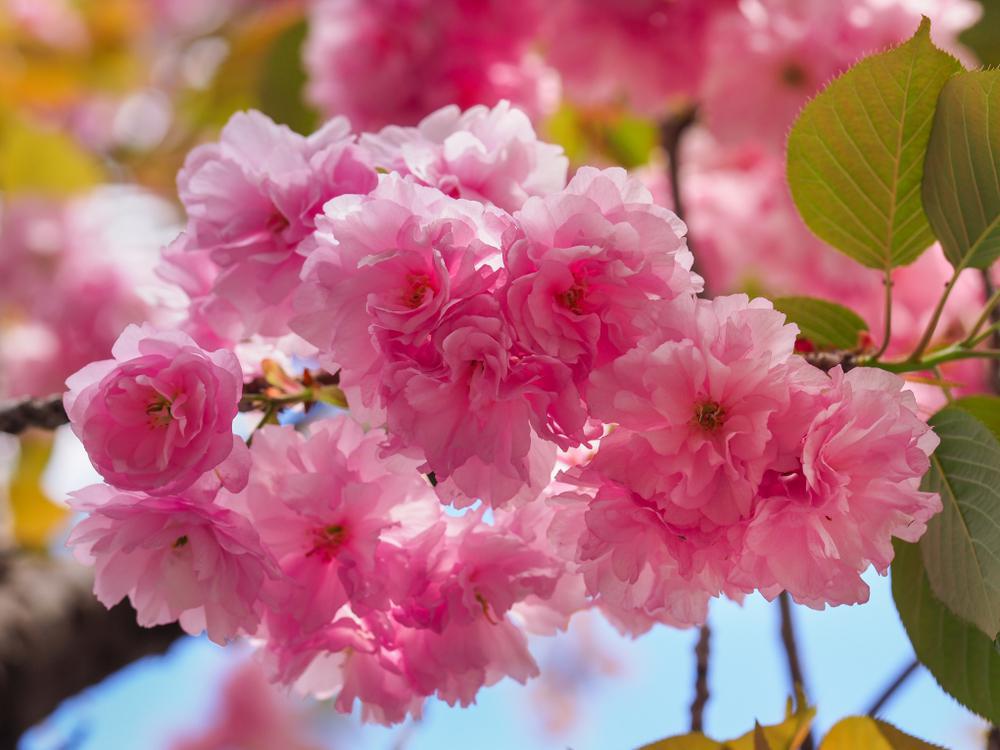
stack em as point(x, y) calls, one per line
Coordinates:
point(824, 323)
point(961, 549)
point(984, 408)
point(856, 732)
point(962, 660)
point(961, 186)
point(856, 153)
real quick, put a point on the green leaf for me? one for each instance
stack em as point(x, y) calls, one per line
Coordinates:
point(984, 408)
point(43, 162)
point(962, 659)
point(631, 140)
point(961, 549)
point(825, 324)
point(856, 153)
point(962, 173)
point(871, 734)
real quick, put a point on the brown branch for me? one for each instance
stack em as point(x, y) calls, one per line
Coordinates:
point(56, 639)
point(671, 134)
point(42, 413)
point(893, 686)
point(702, 651)
point(48, 413)
point(789, 641)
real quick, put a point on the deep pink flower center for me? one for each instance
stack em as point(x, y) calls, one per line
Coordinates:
point(415, 291)
point(794, 75)
point(709, 415)
point(277, 222)
point(326, 540)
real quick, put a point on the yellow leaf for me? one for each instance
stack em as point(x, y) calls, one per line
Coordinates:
point(36, 518)
point(40, 161)
point(871, 734)
point(692, 741)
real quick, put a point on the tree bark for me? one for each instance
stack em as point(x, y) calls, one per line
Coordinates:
point(56, 639)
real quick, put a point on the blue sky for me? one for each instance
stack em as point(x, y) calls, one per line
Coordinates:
point(850, 654)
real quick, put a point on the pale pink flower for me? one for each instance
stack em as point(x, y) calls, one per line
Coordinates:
point(819, 526)
point(489, 155)
point(396, 61)
point(251, 200)
point(175, 559)
point(587, 264)
point(321, 505)
point(648, 52)
point(159, 414)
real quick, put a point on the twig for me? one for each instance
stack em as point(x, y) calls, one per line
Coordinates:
point(792, 655)
point(994, 317)
point(671, 133)
point(891, 689)
point(925, 340)
point(48, 413)
point(43, 413)
point(702, 651)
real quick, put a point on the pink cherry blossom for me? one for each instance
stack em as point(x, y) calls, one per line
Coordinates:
point(251, 200)
point(396, 61)
point(704, 397)
point(820, 526)
point(175, 559)
point(385, 268)
point(159, 414)
point(489, 155)
point(789, 49)
point(586, 265)
point(644, 51)
point(321, 505)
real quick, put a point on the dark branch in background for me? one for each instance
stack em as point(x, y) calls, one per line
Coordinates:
point(702, 651)
point(56, 639)
point(892, 687)
point(993, 738)
point(43, 413)
point(788, 640)
point(48, 413)
point(671, 134)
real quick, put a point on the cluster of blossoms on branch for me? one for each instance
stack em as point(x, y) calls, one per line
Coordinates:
point(543, 417)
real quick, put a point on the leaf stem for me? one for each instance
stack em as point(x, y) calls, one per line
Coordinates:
point(987, 312)
point(948, 354)
point(887, 282)
point(925, 340)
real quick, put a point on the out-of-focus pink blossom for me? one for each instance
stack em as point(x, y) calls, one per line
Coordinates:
point(251, 199)
point(386, 62)
point(820, 526)
point(586, 264)
point(159, 414)
point(789, 49)
point(489, 155)
point(647, 52)
point(175, 559)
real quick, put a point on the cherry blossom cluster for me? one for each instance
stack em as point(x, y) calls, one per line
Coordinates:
point(543, 417)
point(394, 61)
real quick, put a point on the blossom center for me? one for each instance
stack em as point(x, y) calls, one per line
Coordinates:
point(326, 540)
point(159, 411)
point(709, 415)
point(415, 292)
point(572, 298)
